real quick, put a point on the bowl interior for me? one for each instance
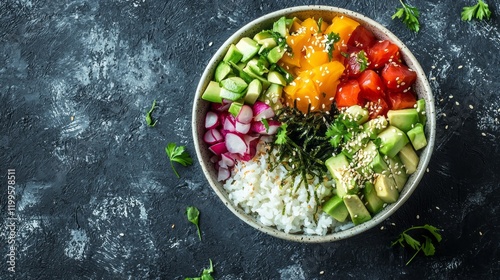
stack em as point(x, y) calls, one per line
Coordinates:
point(200, 107)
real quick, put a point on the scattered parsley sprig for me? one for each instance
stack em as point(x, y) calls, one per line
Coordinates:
point(409, 15)
point(425, 246)
point(206, 274)
point(193, 215)
point(331, 39)
point(149, 118)
point(478, 11)
point(179, 155)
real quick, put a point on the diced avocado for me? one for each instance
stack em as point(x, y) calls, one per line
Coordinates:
point(336, 208)
point(364, 158)
point(267, 44)
point(233, 55)
point(338, 166)
point(276, 54)
point(404, 119)
point(357, 210)
point(235, 108)
point(379, 165)
point(356, 143)
point(357, 113)
point(246, 76)
point(212, 92)
point(409, 158)
point(265, 39)
point(276, 78)
point(417, 136)
point(248, 48)
point(398, 171)
point(392, 141)
point(230, 95)
point(234, 84)
point(257, 66)
point(280, 27)
point(372, 202)
point(386, 188)
point(374, 126)
point(222, 71)
point(421, 111)
point(272, 96)
point(254, 90)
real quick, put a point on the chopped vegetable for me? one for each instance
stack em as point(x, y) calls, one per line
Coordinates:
point(206, 274)
point(426, 246)
point(179, 155)
point(193, 215)
point(478, 11)
point(409, 15)
point(149, 118)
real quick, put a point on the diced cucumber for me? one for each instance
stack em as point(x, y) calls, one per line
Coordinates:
point(212, 93)
point(336, 208)
point(254, 90)
point(248, 48)
point(233, 55)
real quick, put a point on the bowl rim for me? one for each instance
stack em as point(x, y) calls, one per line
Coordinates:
point(409, 187)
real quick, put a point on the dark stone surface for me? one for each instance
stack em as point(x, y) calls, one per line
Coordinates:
point(95, 195)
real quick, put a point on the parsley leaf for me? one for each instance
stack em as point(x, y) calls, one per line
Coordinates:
point(320, 22)
point(179, 155)
point(409, 15)
point(478, 11)
point(149, 118)
point(205, 274)
point(265, 123)
point(363, 61)
point(426, 246)
point(281, 137)
point(331, 39)
point(341, 130)
point(193, 215)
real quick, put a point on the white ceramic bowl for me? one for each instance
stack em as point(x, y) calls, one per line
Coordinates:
point(200, 107)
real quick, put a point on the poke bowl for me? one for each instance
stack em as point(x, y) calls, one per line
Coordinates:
point(313, 123)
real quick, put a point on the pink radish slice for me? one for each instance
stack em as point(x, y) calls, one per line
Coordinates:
point(259, 127)
point(227, 159)
point(221, 107)
point(235, 143)
point(211, 120)
point(245, 115)
point(251, 147)
point(214, 159)
point(229, 125)
point(212, 136)
point(242, 128)
point(262, 111)
point(223, 174)
point(218, 148)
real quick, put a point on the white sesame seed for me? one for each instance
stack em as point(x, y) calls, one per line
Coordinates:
point(460, 66)
point(483, 134)
point(471, 107)
point(456, 103)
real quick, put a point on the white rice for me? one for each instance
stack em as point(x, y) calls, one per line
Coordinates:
point(276, 201)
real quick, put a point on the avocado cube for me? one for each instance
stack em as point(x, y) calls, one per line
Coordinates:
point(357, 210)
point(276, 78)
point(374, 126)
point(357, 113)
point(280, 26)
point(379, 165)
point(417, 136)
point(398, 171)
point(421, 111)
point(230, 95)
point(257, 66)
point(386, 188)
point(372, 202)
point(232, 55)
point(338, 166)
point(235, 108)
point(336, 208)
point(272, 96)
point(222, 71)
point(364, 157)
point(248, 48)
point(212, 92)
point(404, 119)
point(254, 90)
point(409, 158)
point(234, 84)
point(275, 54)
point(392, 141)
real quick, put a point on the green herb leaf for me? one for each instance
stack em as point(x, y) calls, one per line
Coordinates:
point(426, 246)
point(362, 60)
point(341, 130)
point(206, 274)
point(193, 215)
point(409, 15)
point(281, 137)
point(320, 22)
point(265, 123)
point(149, 118)
point(179, 155)
point(479, 11)
point(331, 39)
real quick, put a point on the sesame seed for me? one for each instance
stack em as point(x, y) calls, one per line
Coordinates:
point(456, 102)
point(446, 127)
point(450, 97)
point(471, 107)
point(483, 134)
point(480, 233)
point(418, 217)
point(460, 66)
point(438, 208)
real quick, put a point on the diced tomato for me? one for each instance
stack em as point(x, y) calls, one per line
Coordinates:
point(371, 85)
point(398, 77)
point(347, 94)
point(361, 39)
point(377, 108)
point(354, 64)
point(401, 100)
point(383, 52)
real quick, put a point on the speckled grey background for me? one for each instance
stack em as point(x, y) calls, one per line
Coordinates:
point(95, 195)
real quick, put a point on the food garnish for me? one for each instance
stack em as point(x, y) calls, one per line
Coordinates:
point(426, 245)
point(409, 15)
point(149, 118)
point(206, 274)
point(179, 155)
point(479, 11)
point(193, 215)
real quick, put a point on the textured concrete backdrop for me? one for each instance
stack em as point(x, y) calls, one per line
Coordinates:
point(97, 199)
